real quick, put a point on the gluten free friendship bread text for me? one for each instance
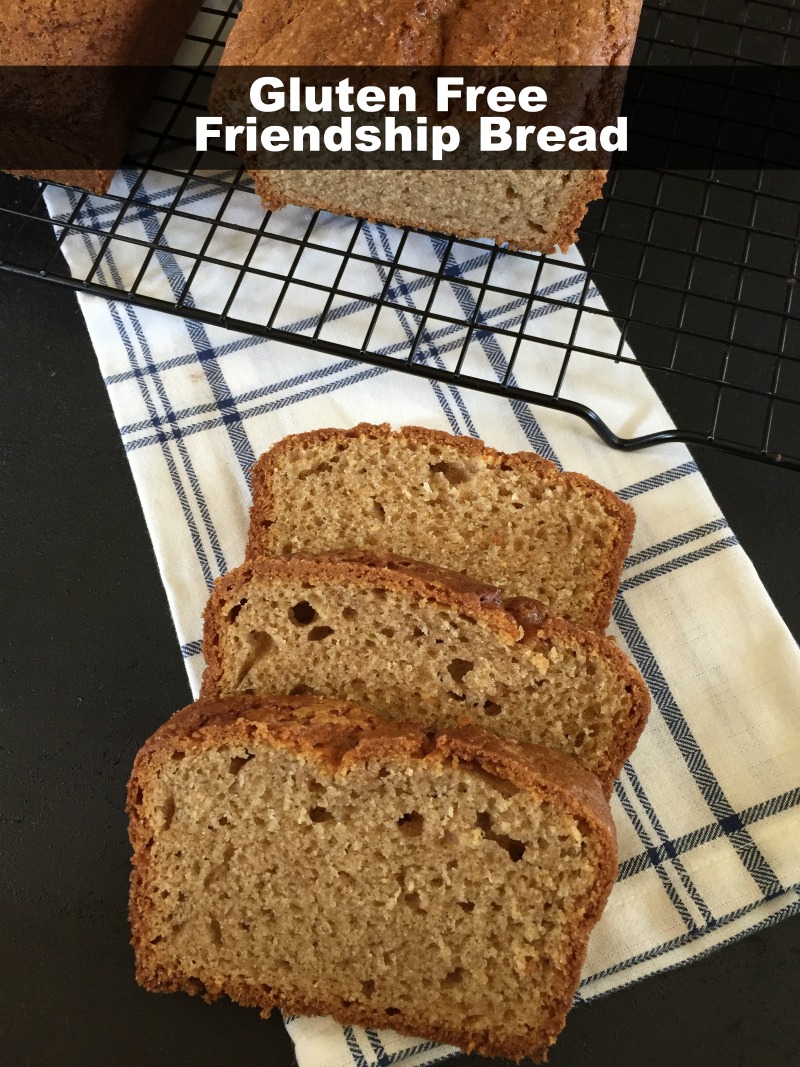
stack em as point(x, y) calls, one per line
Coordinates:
point(512, 520)
point(411, 640)
point(305, 854)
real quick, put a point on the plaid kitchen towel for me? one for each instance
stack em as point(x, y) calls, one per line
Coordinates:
point(708, 808)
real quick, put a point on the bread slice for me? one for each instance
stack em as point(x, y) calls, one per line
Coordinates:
point(415, 641)
point(512, 520)
point(301, 853)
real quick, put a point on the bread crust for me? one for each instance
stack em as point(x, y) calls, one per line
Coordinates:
point(264, 509)
point(339, 735)
point(518, 620)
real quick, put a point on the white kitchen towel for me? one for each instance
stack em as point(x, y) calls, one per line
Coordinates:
point(708, 808)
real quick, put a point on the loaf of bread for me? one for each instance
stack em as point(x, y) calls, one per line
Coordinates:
point(90, 69)
point(301, 853)
point(511, 520)
point(414, 641)
point(531, 209)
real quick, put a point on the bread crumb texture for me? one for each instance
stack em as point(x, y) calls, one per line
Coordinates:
point(303, 854)
point(417, 642)
point(512, 520)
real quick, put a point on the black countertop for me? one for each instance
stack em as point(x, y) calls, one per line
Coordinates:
point(90, 666)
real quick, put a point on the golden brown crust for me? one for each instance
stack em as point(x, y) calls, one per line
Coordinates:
point(340, 735)
point(440, 32)
point(263, 510)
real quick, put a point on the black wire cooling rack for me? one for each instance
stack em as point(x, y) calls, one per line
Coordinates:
point(697, 269)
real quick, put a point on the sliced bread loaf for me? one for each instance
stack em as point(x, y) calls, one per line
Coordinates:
point(512, 520)
point(303, 854)
point(414, 641)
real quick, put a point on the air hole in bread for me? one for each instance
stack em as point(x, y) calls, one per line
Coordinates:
point(514, 848)
point(349, 613)
point(411, 823)
point(302, 614)
point(380, 511)
point(456, 696)
point(500, 785)
point(319, 633)
point(490, 708)
point(368, 987)
point(392, 1011)
point(387, 631)
point(236, 609)
point(453, 473)
point(467, 905)
point(412, 901)
point(215, 930)
point(458, 669)
point(237, 762)
point(261, 644)
point(455, 977)
point(178, 756)
point(320, 815)
point(416, 632)
point(302, 691)
point(320, 468)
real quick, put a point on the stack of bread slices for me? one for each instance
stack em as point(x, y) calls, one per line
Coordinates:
point(390, 803)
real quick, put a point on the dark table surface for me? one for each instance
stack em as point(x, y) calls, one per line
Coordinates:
point(90, 666)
